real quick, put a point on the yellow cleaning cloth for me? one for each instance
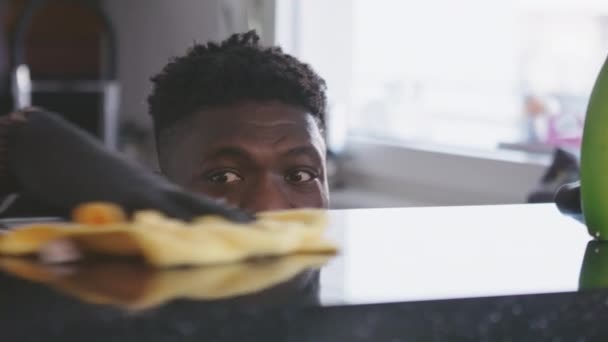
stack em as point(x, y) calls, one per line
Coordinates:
point(164, 242)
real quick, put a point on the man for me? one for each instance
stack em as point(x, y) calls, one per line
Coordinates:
point(234, 121)
point(242, 122)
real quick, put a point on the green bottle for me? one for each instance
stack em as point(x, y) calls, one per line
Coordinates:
point(594, 159)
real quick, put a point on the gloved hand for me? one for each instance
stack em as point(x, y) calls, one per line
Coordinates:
point(568, 200)
point(62, 166)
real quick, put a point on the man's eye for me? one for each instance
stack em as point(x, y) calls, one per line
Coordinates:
point(300, 176)
point(224, 177)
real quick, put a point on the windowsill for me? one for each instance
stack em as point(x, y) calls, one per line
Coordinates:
point(537, 148)
point(390, 173)
point(504, 152)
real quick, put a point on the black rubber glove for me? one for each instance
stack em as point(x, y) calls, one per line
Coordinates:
point(568, 200)
point(62, 166)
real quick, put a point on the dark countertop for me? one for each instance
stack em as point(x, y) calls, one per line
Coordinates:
point(495, 273)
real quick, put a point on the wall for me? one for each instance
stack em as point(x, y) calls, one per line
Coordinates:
point(150, 32)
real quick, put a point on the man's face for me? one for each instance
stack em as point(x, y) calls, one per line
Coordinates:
point(256, 155)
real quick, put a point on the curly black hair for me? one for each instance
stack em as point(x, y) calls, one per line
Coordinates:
point(234, 70)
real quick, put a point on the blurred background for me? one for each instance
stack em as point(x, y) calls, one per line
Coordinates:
point(432, 102)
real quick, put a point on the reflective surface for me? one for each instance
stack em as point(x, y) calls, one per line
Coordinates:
point(401, 256)
point(415, 254)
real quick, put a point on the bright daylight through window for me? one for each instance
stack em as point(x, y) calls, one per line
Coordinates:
point(472, 73)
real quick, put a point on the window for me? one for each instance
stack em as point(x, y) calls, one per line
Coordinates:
point(469, 73)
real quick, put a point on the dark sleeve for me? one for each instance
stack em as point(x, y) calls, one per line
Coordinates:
point(21, 206)
point(12, 202)
point(8, 183)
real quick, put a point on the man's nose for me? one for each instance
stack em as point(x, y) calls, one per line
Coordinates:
point(268, 194)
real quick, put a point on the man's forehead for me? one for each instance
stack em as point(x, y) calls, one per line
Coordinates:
point(254, 121)
point(254, 139)
point(265, 131)
point(267, 125)
point(264, 113)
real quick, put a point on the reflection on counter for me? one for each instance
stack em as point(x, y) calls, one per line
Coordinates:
point(594, 271)
point(134, 286)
